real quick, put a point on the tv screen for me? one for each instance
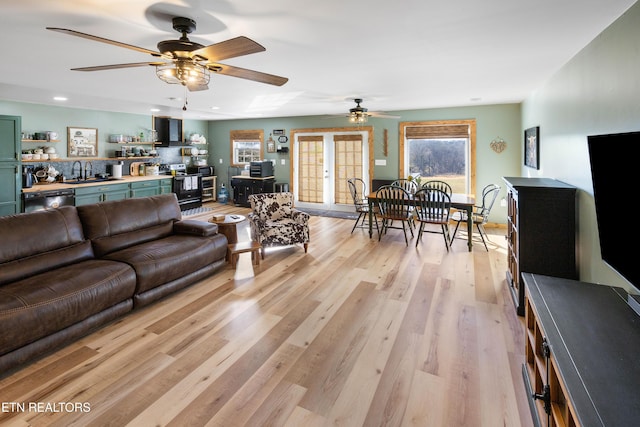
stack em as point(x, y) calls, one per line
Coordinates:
point(615, 160)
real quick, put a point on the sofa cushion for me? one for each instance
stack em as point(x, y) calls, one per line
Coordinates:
point(119, 224)
point(37, 242)
point(45, 303)
point(160, 261)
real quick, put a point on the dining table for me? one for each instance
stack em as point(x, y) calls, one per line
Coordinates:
point(459, 201)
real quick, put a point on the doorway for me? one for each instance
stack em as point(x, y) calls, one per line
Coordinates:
point(324, 159)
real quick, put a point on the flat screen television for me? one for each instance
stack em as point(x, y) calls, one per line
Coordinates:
point(615, 161)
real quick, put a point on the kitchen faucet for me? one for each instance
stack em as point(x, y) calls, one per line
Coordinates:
point(89, 165)
point(73, 170)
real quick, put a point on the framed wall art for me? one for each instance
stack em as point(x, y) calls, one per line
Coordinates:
point(532, 147)
point(82, 142)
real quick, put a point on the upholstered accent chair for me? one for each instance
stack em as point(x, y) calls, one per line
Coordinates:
point(275, 222)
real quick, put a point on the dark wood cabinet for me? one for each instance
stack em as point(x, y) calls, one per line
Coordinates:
point(541, 231)
point(582, 342)
point(243, 187)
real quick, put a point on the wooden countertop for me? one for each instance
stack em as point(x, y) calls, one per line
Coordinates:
point(125, 180)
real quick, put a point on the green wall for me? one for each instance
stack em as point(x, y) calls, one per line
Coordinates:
point(597, 92)
point(37, 117)
point(492, 121)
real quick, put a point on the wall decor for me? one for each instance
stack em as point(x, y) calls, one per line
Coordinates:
point(498, 145)
point(282, 139)
point(82, 142)
point(278, 132)
point(271, 145)
point(532, 147)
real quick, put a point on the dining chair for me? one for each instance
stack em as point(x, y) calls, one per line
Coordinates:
point(432, 206)
point(358, 189)
point(439, 185)
point(480, 214)
point(408, 185)
point(394, 204)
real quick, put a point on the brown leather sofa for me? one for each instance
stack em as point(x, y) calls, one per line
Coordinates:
point(65, 272)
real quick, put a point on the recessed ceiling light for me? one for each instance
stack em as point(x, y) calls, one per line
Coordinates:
point(155, 110)
point(59, 98)
point(215, 108)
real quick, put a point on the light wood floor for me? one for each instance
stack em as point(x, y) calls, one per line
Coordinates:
point(355, 333)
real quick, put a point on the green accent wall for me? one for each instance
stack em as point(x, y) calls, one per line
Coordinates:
point(596, 92)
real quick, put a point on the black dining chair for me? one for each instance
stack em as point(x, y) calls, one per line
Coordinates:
point(409, 185)
point(358, 189)
point(480, 214)
point(438, 185)
point(432, 206)
point(394, 204)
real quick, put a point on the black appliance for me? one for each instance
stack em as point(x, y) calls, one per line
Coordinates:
point(186, 186)
point(202, 170)
point(48, 199)
point(169, 131)
point(261, 169)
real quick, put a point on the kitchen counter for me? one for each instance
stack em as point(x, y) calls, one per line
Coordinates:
point(63, 185)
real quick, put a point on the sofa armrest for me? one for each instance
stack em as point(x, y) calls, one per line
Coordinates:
point(195, 228)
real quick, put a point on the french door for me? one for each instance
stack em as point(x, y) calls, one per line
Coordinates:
point(323, 162)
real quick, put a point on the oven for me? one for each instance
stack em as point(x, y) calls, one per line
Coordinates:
point(188, 189)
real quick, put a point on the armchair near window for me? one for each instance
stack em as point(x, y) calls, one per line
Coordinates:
point(275, 222)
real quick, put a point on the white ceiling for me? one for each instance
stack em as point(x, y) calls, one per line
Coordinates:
point(397, 55)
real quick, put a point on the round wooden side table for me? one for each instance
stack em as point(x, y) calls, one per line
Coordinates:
point(228, 226)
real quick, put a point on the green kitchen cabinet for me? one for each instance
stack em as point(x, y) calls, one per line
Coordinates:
point(101, 193)
point(145, 188)
point(10, 164)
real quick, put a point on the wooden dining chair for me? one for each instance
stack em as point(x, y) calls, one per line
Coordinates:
point(407, 185)
point(394, 204)
point(432, 206)
point(358, 189)
point(438, 185)
point(480, 214)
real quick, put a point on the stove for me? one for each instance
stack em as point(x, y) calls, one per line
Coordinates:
point(169, 168)
point(187, 186)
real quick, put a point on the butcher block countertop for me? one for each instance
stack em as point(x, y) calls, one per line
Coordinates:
point(62, 185)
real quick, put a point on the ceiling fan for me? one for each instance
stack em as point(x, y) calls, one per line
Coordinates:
point(188, 63)
point(359, 114)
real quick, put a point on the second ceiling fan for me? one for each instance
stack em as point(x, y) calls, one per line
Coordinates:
point(359, 114)
point(185, 62)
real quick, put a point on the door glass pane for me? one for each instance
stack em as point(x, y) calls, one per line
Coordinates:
point(348, 164)
point(311, 165)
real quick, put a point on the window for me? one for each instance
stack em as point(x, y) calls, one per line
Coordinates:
point(439, 150)
point(246, 146)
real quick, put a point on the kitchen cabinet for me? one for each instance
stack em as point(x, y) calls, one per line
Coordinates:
point(101, 193)
point(541, 231)
point(145, 188)
point(151, 188)
point(166, 185)
point(582, 342)
point(243, 187)
point(10, 164)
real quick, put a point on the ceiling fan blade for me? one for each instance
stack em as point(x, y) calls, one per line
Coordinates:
point(103, 40)
point(382, 115)
point(243, 73)
point(117, 66)
point(231, 48)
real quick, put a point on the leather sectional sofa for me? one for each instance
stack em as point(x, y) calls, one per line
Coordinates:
point(65, 272)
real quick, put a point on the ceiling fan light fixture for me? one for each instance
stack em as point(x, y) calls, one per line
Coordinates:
point(184, 73)
point(358, 117)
